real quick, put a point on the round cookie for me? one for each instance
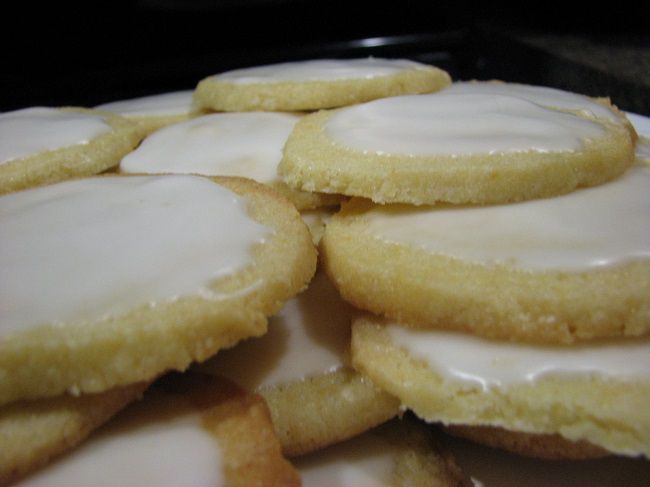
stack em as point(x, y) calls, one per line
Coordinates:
point(34, 432)
point(112, 280)
point(559, 270)
point(41, 145)
point(402, 452)
point(489, 467)
point(457, 148)
point(592, 392)
point(194, 430)
point(224, 144)
point(301, 368)
point(544, 446)
point(154, 111)
point(316, 84)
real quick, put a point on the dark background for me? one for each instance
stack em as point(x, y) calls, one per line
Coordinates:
point(71, 53)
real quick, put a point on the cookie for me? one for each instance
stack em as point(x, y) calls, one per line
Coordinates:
point(301, 367)
point(642, 126)
point(594, 392)
point(456, 147)
point(224, 144)
point(558, 270)
point(543, 446)
point(195, 431)
point(489, 467)
point(154, 111)
point(113, 280)
point(401, 452)
point(316, 84)
point(34, 432)
point(41, 145)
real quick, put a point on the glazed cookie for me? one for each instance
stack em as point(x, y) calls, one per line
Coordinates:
point(195, 431)
point(488, 467)
point(45, 145)
point(642, 126)
point(33, 432)
point(457, 148)
point(311, 85)
point(227, 144)
point(155, 111)
point(113, 280)
point(559, 270)
point(301, 367)
point(595, 392)
point(402, 452)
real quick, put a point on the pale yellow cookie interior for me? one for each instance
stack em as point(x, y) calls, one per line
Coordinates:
point(214, 94)
point(148, 340)
point(319, 411)
point(99, 154)
point(313, 161)
point(607, 413)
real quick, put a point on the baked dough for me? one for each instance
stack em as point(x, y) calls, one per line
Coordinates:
point(191, 430)
point(316, 84)
point(154, 111)
point(456, 147)
point(594, 392)
point(302, 369)
point(560, 270)
point(34, 432)
point(45, 145)
point(187, 265)
point(224, 144)
point(545, 446)
point(402, 452)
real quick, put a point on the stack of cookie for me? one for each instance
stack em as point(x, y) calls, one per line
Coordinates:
point(492, 256)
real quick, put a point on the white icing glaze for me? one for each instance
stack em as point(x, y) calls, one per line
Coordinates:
point(319, 70)
point(87, 249)
point(588, 228)
point(455, 124)
point(363, 461)
point(165, 104)
point(541, 95)
point(229, 144)
point(149, 445)
point(310, 336)
point(643, 150)
point(38, 129)
point(641, 124)
point(489, 467)
point(642, 127)
point(485, 364)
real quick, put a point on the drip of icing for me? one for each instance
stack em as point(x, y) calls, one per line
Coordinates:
point(458, 124)
point(148, 444)
point(310, 336)
point(38, 129)
point(591, 227)
point(229, 144)
point(92, 248)
point(319, 70)
point(540, 95)
point(363, 461)
point(486, 364)
point(166, 104)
